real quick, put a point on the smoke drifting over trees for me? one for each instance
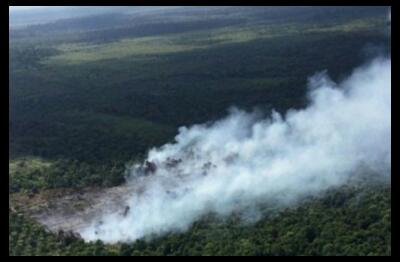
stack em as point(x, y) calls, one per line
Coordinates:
point(246, 159)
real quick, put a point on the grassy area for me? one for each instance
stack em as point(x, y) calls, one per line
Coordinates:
point(74, 53)
point(26, 164)
point(78, 53)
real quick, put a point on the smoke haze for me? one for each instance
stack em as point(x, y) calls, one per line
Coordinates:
point(248, 159)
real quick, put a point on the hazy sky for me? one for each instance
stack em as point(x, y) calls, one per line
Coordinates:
point(25, 7)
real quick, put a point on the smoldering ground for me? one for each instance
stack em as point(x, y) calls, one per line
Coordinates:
point(247, 159)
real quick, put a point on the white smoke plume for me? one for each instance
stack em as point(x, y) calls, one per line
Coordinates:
point(246, 160)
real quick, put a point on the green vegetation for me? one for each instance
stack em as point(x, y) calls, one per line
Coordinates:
point(74, 53)
point(27, 177)
point(90, 94)
point(351, 221)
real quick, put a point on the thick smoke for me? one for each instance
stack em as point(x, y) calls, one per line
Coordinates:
point(247, 160)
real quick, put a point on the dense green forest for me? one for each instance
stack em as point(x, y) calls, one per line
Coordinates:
point(90, 94)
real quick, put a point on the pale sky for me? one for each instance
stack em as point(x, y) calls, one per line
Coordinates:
point(25, 7)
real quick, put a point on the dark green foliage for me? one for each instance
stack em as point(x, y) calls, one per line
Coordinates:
point(360, 225)
point(67, 174)
point(29, 56)
point(60, 110)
